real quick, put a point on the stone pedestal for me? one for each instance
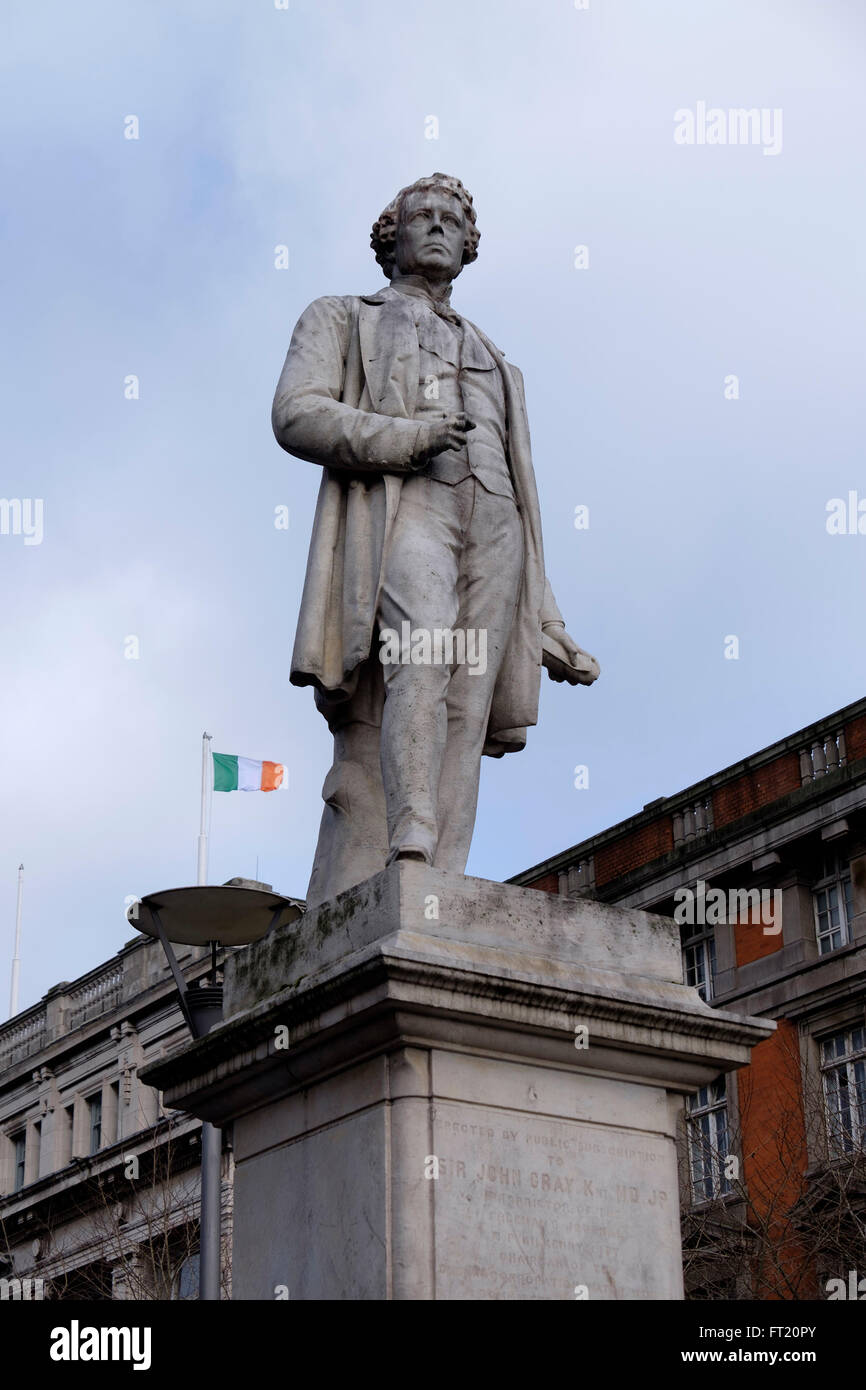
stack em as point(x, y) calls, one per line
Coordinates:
point(446, 1088)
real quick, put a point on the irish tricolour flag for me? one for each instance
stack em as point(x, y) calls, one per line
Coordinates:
point(234, 774)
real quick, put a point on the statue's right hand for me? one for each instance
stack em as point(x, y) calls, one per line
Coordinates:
point(448, 433)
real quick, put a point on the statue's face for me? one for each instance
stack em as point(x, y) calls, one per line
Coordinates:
point(430, 235)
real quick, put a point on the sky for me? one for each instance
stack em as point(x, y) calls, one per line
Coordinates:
point(694, 378)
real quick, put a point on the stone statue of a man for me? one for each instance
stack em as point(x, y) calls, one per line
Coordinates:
point(426, 614)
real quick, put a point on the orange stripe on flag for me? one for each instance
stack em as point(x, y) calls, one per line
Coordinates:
point(272, 776)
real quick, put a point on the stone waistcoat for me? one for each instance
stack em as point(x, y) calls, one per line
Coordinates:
point(457, 373)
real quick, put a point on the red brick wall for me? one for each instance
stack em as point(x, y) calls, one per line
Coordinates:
point(548, 884)
point(630, 851)
point(754, 789)
point(855, 738)
point(773, 1141)
point(751, 942)
point(771, 1102)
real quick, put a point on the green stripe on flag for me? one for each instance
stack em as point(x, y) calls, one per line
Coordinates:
point(225, 772)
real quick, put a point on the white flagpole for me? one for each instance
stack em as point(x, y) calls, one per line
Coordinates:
point(16, 959)
point(202, 834)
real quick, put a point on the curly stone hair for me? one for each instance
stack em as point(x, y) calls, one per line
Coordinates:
point(384, 233)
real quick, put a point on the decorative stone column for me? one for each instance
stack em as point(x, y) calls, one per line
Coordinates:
point(447, 1088)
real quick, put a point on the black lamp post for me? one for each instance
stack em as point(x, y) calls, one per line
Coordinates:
point(233, 914)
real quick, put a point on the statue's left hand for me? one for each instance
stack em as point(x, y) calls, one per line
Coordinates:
point(565, 660)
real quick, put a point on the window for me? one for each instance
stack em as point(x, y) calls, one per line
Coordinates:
point(19, 1144)
point(843, 1064)
point(833, 905)
point(67, 1124)
point(94, 1113)
point(707, 1126)
point(699, 958)
point(86, 1283)
point(113, 1133)
point(186, 1281)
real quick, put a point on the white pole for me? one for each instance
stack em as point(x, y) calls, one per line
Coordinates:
point(211, 1137)
point(202, 834)
point(16, 959)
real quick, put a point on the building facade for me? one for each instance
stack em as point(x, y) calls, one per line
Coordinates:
point(100, 1187)
point(763, 868)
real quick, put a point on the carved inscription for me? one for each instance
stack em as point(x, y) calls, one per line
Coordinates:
point(535, 1208)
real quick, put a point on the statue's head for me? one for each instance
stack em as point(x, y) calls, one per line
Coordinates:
point(428, 229)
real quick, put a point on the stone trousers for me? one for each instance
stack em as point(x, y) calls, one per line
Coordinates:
point(407, 746)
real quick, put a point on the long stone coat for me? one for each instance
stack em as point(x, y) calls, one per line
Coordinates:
point(344, 400)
